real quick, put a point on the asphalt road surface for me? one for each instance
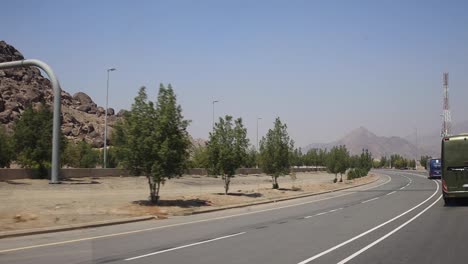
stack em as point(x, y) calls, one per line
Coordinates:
point(400, 218)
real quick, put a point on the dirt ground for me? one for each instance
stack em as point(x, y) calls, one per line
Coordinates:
point(30, 203)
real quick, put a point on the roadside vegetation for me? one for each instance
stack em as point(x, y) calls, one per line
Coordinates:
point(151, 140)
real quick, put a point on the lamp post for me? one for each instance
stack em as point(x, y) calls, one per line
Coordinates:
point(213, 124)
point(258, 150)
point(105, 119)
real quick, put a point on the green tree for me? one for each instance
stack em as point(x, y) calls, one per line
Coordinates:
point(383, 162)
point(423, 161)
point(343, 164)
point(275, 149)
point(80, 155)
point(6, 149)
point(297, 158)
point(333, 160)
point(33, 139)
point(199, 157)
point(227, 148)
point(251, 160)
point(153, 140)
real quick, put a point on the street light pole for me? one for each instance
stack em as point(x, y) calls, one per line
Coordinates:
point(258, 150)
point(213, 124)
point(258, 118)
point(105, 119)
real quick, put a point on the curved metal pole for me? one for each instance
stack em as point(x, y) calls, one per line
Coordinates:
point(57, 109)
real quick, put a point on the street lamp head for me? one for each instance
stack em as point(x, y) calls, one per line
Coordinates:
point(111, 69)
point(215, 101)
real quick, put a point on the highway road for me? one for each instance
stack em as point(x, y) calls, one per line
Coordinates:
point(400, 218)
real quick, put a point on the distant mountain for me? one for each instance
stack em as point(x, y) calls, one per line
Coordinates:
point(362, 138)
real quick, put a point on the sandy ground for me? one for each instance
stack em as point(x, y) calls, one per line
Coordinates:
point(35, 203)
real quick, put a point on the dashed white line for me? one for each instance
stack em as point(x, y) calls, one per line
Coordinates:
point(390, 193)
point(368, 231)
point(322, 213)
point(334, 210)
point(366, 201)
point(189, 245)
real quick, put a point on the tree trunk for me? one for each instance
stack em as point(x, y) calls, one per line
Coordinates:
point(275, 182)
point(154, 190)
point(227, 181)
point(341, 175)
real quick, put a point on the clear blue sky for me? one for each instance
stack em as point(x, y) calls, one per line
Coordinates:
point(324, 67)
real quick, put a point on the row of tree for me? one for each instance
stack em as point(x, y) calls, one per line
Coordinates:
point(152, 140)
point(395, 161)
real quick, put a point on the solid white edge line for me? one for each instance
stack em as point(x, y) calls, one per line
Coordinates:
point(388, 234)
point(368, 231)
point(186, 223)
point(184, 246)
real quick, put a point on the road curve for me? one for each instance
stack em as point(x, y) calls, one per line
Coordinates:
point(398, 219)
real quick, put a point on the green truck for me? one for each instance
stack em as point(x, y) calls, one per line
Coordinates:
point(454, 167)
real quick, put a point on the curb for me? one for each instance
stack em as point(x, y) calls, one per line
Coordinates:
point(44, 230)
point(274, 200)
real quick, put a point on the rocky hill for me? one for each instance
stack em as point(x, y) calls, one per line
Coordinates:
point(361, 138)
point(82, 119)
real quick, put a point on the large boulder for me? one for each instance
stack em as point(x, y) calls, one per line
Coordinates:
point(110, 111)
point(83, 99)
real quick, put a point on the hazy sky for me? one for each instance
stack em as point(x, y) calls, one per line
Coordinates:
point(324, 67)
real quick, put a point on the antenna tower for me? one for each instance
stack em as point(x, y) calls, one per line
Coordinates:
point(447, 119)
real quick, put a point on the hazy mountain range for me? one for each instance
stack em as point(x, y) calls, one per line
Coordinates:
point(362, 138)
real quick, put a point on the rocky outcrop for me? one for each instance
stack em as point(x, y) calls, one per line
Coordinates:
point(20, 88)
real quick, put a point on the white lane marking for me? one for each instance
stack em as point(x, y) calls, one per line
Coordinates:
point(309, 216)
point(389, 179)
point(189, 245)
point(368, 231)
point(390, 193)
point(322, 213)
point(334, 210)
point(388, 234)
point(402, 188)
point(366, 201)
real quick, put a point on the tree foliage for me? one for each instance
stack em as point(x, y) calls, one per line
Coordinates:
point(80, 155)
point(227, 148)
point(152, 139)
point(6, 149)
point(338, 161)
point(199, 157)
point(33, 139)
point(423, 161)
point(275, 152)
